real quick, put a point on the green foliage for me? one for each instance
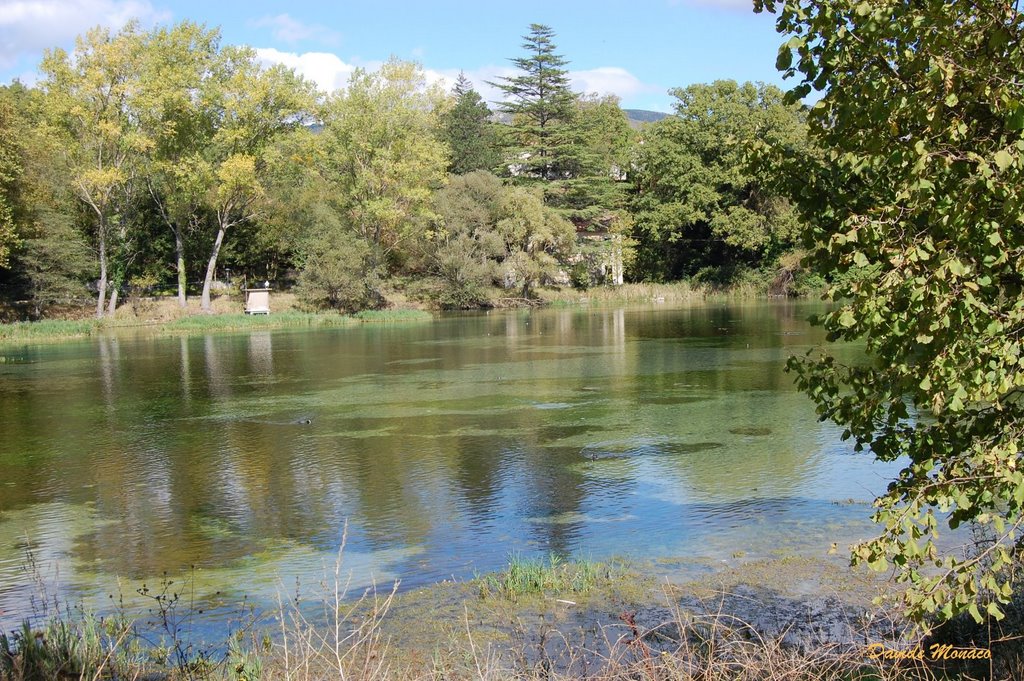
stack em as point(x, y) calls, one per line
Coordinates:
point(464, 246)
point(10, 174)
point(696, 200)
point(49, 258)
point(590, 191)
point(255, 107)
point(916, 206)
point(467, 129)
point(554, 574)
point(484, 232)
point(174, 104)
point(576, 147)
point(381, 158)
point(338, 270)
point(88, 99)
point(536, 239)
point(541, 106)
point(70, 646)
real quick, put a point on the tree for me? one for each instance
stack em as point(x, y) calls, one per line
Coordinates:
point(464, 246)
point(541, 106)
point(336, 267)
point(382, 158)
point(11, 151)
point(89, 95)
point(537, 239)
point(590, 191)
point(47, 258)
point(915, 212)
point(252, 106)
point(696, 201)
point(177, 76)
point(469, 132)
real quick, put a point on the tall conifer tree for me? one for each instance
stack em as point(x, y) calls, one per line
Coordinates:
point(542, 106)
point(469, 131)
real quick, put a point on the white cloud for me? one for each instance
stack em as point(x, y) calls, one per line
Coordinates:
point(325, 69)
point(612, 80)
point(290, 30)
point(331, 73)
point(27, 27)
point(602, 80)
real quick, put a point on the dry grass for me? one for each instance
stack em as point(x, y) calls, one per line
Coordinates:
point(678, 292)
point(329, 635)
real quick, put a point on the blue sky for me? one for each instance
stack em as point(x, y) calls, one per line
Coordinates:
point(637, 50)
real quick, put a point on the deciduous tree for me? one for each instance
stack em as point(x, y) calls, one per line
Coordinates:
point(253, 105)
point(697, 202)
point(89, 95)
point(382, 156)
point(916, 212)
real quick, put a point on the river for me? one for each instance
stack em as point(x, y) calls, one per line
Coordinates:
point(444, 447)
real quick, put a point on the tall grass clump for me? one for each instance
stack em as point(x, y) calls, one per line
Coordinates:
point(392, 316)
point(676, 292)
point(49, 329)
point(550, 575)
point(71, 646)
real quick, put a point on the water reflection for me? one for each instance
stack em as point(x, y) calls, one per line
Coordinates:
point(445, 446)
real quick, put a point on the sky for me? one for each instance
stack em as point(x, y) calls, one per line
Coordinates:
point(636, 49)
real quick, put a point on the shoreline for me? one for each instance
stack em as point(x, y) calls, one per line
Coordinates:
point(623, 624)
point(163, 317)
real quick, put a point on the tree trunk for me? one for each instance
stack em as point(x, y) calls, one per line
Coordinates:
point(179, 247)
point(102, 294)
point(211, 267)
point(113, 301)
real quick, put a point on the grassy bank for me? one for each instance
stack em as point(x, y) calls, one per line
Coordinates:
point(59, 330)
point(163, 316)
point(676, 292)
point(538, 619)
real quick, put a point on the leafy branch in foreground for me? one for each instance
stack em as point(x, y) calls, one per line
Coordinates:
point(916, 214)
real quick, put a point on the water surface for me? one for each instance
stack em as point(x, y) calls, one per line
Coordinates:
point(444, 447)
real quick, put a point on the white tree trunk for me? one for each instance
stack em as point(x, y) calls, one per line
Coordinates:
point(179, 247)
point(113, 302)
point(102, 294)
point(211, 268)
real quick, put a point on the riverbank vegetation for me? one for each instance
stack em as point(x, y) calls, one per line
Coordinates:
point(162, 162)
point(53, 329)
point(551, 619)
point(915, 214)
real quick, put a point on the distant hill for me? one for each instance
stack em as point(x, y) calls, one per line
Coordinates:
point(637, 117)
point(643, 116)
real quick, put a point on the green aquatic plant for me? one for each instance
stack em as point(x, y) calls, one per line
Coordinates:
point(539, 575)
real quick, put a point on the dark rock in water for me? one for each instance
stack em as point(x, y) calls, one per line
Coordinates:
point(752, 430)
